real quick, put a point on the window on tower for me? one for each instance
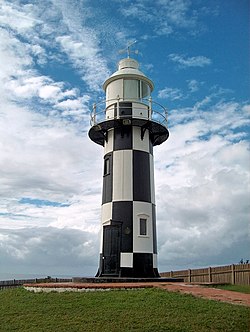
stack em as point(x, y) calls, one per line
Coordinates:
point(114, 90)
point(145, 90)
point(106, 166)
point(143, 226)
point(135, 89)
point(131, 89)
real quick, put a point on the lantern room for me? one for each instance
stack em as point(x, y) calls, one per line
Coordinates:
point(129, 86)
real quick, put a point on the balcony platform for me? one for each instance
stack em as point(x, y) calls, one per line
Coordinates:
point(158, 132)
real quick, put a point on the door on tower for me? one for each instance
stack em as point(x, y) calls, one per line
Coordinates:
point(111, 249)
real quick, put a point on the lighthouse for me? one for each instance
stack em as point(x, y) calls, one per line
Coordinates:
point(128, 124)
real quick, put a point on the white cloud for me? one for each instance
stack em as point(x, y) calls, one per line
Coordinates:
point(137, 10)
point(39, 30)
point(39, 142)
point(246, 109)
point(202, 187)
point(39, 153)
point(195, 61)
point(48, 160)
point(179, 13)
point(70, 104)
point(84, 54)
point(170, 93)
point(48, 250)
point(14, 58)
point(49, 91)
point(52, 97)
point(193, 85)
point(174, 15)
point(18, 18)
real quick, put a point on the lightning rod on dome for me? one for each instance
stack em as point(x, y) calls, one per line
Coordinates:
point(128, 49)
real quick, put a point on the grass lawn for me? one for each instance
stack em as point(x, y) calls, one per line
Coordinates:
point(117, 310)
point(235, 288)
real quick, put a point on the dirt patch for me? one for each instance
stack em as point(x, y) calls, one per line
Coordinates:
point(208, 293)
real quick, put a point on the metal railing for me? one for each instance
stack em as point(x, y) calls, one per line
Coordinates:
point(116, 110)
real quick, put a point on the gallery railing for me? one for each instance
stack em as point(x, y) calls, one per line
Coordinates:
point(116, 108)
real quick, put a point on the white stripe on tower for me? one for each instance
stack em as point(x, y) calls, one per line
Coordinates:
point(122, 175)
point(152, 183)
point(142, 243)
point(109, 144)
point(138, 143)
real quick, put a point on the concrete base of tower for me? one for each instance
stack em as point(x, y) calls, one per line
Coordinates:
point(141, 266)
point(120, 280)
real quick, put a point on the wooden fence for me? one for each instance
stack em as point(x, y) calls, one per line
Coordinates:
point(19, 282)
point(231, 274)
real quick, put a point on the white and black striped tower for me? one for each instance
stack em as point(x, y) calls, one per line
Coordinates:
point(128, 127)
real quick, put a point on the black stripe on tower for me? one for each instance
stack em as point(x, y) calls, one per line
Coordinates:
point(141, 176)
point(107, 187)
point(123, 138)
point(143, 266)
point(123, 212)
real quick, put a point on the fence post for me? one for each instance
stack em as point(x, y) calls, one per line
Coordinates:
point(171, 274)
point(189, 275)
point(209, 274)
point(233, 274)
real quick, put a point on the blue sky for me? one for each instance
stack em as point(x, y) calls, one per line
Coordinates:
point(55, 55)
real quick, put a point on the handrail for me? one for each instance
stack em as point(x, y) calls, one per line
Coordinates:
point(159, 115)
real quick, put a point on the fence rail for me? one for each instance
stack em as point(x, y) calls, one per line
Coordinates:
point(19, 282)
point(232, 274)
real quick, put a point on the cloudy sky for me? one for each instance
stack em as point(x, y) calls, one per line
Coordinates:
point(54, 57)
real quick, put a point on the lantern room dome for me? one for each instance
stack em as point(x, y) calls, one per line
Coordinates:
point(128, 68)
point(128, 63)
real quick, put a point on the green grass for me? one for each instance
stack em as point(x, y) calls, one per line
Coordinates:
point(127, 310)
point(235, 288)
